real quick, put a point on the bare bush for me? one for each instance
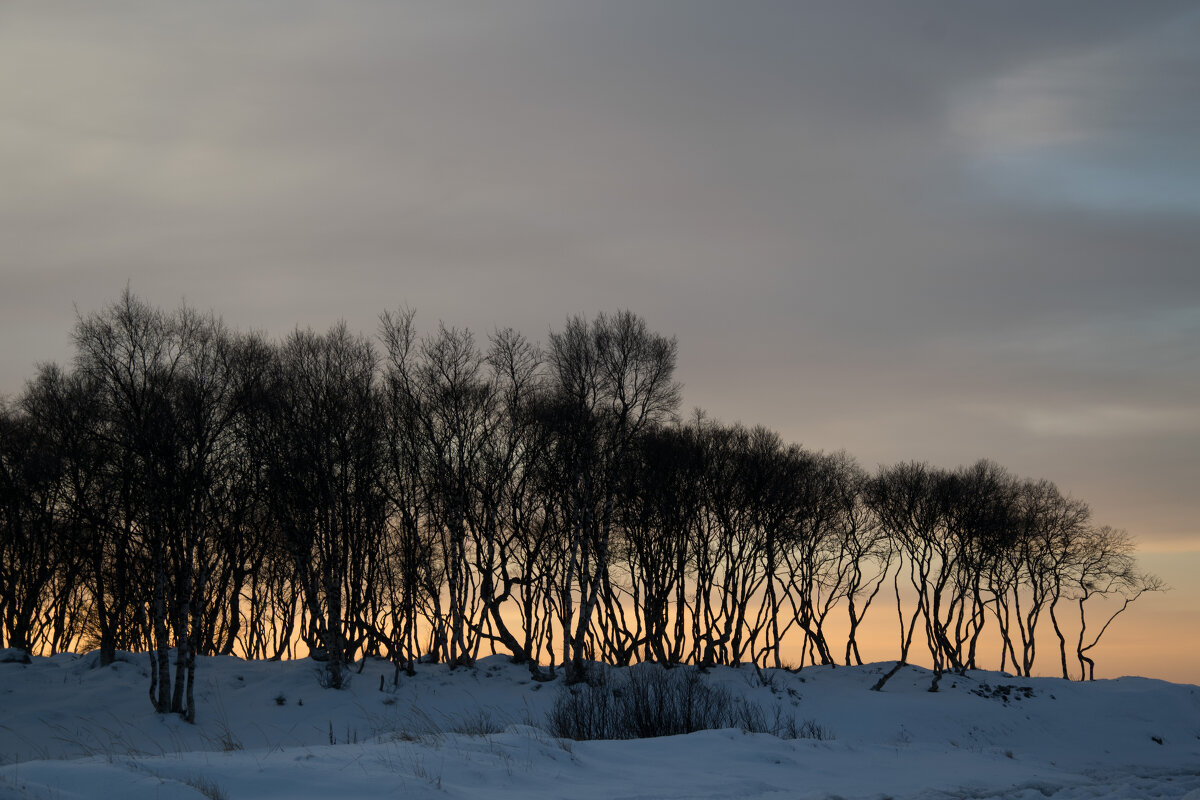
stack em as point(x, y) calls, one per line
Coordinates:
point(652, 701)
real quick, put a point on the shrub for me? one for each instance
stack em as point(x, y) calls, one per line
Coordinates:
point(207, 787)
point(583, 712)
point(478, 723)
point(809, 729)
point(651, 701)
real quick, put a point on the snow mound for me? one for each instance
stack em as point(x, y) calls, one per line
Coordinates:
point(69, 728)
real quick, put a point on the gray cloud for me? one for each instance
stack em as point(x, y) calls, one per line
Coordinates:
point(910, 230)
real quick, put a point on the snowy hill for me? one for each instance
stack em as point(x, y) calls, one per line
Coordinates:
point(268, 730)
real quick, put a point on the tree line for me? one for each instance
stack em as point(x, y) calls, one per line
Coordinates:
point(187, 489)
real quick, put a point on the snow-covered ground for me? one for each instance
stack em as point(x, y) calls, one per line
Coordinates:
point(268, 730)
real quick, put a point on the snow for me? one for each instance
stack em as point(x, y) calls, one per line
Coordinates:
point(69, 729)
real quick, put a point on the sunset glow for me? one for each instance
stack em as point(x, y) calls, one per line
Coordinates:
point(911, 232)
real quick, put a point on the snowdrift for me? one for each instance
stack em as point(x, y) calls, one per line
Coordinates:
point(70, 729)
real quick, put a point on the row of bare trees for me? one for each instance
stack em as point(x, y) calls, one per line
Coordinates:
point(185, 489)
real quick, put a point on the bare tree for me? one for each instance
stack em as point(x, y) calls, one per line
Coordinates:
point(866, 552)
point(1027, 576)
point(134, 351)
point(902, 499)
point(323, 452)
point(1105, 568)
point(612, 378)
point(32, 485)
point(661, 499)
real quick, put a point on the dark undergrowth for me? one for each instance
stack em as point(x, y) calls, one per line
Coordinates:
point(650, 701)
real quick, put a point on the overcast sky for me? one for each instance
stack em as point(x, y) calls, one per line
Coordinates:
point(929, 230)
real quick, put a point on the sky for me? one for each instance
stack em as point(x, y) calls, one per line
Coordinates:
point(925, 230)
